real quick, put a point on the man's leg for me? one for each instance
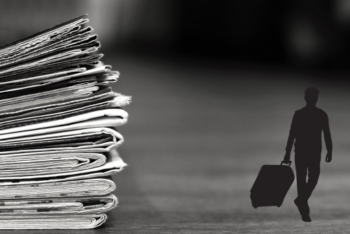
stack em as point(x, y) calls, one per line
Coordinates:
point(314, 174)
point(301, 171)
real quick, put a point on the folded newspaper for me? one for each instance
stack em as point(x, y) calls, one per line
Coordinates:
point(58, 137)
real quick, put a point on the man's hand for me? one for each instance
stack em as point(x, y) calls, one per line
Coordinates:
point(329, 157)
point(286, 158)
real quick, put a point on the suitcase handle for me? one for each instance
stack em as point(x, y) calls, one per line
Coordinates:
point(290, 162)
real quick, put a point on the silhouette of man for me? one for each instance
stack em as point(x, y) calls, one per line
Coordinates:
point(306, 130)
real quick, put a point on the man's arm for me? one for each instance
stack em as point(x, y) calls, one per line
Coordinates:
point(327, 139)
point(291, 138)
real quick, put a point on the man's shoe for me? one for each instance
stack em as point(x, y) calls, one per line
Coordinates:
point(306, 218)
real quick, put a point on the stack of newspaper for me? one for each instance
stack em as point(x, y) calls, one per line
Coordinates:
point(58, 140)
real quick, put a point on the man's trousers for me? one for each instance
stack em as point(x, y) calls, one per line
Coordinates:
point(307, 165)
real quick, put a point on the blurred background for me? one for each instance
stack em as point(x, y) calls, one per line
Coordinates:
point(215, 85)
point(270, 31)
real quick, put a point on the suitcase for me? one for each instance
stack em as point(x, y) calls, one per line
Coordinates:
point(272, 185)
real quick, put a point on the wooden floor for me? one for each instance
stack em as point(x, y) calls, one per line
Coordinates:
point(197, 136)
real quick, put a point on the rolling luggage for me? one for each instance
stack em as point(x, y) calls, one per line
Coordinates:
point(271, 185)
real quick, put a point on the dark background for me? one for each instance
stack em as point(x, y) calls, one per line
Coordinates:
point(313, 32)
point(214, 85)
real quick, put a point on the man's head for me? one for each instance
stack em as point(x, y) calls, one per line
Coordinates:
point(311, 95)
